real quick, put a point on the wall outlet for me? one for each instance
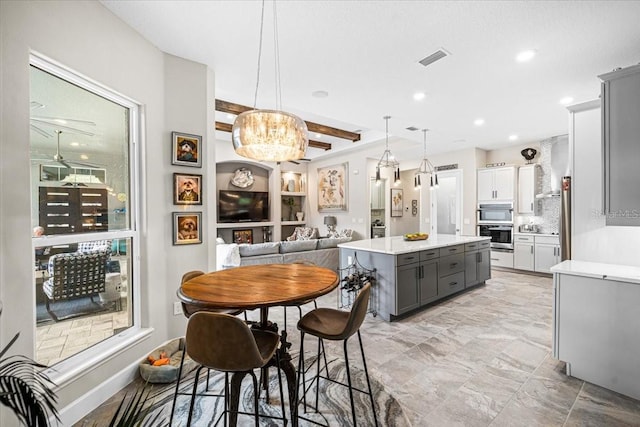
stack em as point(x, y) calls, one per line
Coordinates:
point(177, 308)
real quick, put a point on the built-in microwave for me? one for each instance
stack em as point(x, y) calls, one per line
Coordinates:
point(501, 234)
point(495, 213)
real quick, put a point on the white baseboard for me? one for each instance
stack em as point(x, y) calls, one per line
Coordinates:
point(78, 409)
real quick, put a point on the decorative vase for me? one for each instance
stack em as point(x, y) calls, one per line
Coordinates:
point(300, 216)
point(292, 214)
point(291, 187)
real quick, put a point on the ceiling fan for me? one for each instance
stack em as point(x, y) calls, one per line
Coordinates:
point(297, 162)
point(57, 158)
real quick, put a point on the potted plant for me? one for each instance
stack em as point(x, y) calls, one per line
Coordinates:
point(291, 202)
point(26, 389)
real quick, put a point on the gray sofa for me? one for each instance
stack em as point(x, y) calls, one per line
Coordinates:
point(321, 252)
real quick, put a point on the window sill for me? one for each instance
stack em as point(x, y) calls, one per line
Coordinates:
point(70, 369)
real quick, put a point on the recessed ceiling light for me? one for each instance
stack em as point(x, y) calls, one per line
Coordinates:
point(84, 157)
point(478, 122)
point(526, 55)
point(418, 96)
point(318, 135)
point(74, 144)
point(320, 94)
point(566, 100)
point(513, 137)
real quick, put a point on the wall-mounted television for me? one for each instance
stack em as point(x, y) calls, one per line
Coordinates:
point(240, 206)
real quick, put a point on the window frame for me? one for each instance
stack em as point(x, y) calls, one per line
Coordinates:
point(88, 359)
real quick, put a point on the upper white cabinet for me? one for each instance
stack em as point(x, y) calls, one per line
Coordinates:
point(527, 189)
point(377, 195)
point(496, 184)
point(620, 130)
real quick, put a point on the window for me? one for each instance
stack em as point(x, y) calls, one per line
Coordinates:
point(83, 207)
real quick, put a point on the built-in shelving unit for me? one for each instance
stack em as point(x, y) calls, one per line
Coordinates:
point(293, 187)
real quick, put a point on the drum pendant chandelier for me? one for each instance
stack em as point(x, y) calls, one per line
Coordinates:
point(270, 135)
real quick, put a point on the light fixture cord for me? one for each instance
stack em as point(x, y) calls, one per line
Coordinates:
point(276, 48)
point(255, 96)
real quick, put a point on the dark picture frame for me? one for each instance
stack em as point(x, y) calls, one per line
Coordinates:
point(242, 235)
point(187, 228)
point(187, 189)
point(186, 149)
point(396, 201)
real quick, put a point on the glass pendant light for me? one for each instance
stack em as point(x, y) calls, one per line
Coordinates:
point(270, 135)
point(387, 160)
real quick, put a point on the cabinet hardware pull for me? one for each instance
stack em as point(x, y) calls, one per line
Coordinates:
point(453, 264)
point(495, 259)
point(431, 253)
point(452, 249)
point(531, 249)
point(422, 271)
point(532, 206)
point(453, 283)
point(479, 257)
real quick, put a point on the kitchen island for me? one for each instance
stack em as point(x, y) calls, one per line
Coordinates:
point(411, 274)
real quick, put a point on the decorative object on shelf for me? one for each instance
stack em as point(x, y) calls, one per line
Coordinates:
point(332, 188)
point(330, 222)
point(187, 228)
point(270, 135)
point(388, 160)
point(242, 178)
point(415, 236)
point(244, 235)
point(396, 202)
point(529, 154)
point(187, 189)
point(425, 168)
point(291, 202)
point(185, 149)
point(300, 216)
point(291, 186)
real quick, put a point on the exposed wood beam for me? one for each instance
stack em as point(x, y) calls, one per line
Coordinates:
point(232, 108)
point(226, 127)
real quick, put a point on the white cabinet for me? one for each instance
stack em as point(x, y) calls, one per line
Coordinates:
point(496, 184)
point(523, 252)
point(501, 258)
point(547, 253)
point(527, 189)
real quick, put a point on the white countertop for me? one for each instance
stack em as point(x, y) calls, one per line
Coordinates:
point(537, 234)
point(396, 245)
point(622, 273)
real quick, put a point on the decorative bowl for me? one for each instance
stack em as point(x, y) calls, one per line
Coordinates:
point(415, 236)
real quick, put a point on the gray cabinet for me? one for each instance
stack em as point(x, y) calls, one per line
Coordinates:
point(451, 273)
point(621, 145)
point(428, 281)
point(477, 263)
point(407, 282)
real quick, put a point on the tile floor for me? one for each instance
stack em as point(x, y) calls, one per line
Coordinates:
point(479, 359)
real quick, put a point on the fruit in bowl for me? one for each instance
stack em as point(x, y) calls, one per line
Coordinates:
point(416, 236)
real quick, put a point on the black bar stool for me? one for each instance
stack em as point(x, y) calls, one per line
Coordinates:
point(335, 325)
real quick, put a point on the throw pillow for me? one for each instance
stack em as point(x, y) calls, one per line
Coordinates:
point(332, 242)
point(227, 255)
point(248, 249)
point(297, 246)
point(303, 233)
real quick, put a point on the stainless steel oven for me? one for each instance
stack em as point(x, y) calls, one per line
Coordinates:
point(501, 234)
point(495, 213)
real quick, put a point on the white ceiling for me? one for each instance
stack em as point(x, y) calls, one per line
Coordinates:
point(365, 55)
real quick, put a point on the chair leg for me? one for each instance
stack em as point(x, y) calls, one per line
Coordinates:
point(366, 374)
point(346, 361)
point(320, 344)
point(193, 395)
point(255, 397)
point(226, 397)
point(280, 386)
point(300, 371)
point(175, 395)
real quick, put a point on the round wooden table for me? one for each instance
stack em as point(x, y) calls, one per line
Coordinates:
point(260, 287)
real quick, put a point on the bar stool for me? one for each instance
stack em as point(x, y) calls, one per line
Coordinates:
point(188, 310)
point(225, 343)
point(335, 325)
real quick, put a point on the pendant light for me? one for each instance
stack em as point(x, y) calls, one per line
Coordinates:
point(425, 168)
point(387, 160)
point(270, 135)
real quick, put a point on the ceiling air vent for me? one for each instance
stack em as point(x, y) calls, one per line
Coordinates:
point(412, 128)
point(438, 54)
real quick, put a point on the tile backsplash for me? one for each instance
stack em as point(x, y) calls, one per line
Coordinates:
point(548, 220)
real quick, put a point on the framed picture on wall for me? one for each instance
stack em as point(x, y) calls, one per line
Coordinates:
point(187, 189)
point(186, 149)
point(243, 235)
point(187, 228)
point(396, 202)
point(332, 188)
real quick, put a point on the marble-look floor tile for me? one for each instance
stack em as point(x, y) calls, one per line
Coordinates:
point(597, 407)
